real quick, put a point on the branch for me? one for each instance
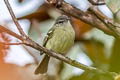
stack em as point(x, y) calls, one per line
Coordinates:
point(74, 63)
point(111, 24)
point(100, 21)
point(66, 59)
point(34, 45)
point(5, 43)
point(64, 7)
point(14, 18)
point(86, 17)
point(4, 29)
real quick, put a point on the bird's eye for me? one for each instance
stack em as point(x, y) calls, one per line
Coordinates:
point(60, 21)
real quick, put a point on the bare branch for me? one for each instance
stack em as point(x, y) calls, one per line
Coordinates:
point(29, 42)
point(86, 17)
point(66, 59)
point(5, 43)
point(101, 22)
point(3, 29)
point(14, 18)
point(108, 22)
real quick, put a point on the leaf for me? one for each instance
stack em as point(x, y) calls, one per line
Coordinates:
point(114, 5)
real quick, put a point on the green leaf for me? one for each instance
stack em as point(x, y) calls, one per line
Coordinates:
point(114, 5)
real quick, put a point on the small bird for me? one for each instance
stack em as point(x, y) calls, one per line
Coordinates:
point(59, 39)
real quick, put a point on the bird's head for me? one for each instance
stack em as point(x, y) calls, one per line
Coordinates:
point(62, 19)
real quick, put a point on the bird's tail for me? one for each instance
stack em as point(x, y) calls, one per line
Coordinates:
point(43, 66)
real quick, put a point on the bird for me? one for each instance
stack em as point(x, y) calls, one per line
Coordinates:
point(60, 38)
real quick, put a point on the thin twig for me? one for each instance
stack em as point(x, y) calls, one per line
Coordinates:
point(14, 18)
point(106, 21)
point(4, 29)
point(5, 43)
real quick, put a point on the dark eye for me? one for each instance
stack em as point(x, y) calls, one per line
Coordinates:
point(61, 21)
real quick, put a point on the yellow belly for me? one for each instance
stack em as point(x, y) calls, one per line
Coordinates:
point(61, 41)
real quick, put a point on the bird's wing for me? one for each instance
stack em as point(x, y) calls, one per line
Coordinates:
point(47, 37)
point(43, 66)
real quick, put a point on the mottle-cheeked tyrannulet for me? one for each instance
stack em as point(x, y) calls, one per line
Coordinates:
point(59, 39)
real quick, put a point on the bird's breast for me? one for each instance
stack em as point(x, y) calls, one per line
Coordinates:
point(61, 40)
